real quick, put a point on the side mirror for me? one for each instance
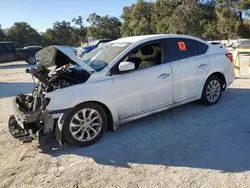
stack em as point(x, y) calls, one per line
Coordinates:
point(126, 66)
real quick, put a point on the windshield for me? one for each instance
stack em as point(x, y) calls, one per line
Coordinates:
point(94, 43)
point(103, 55)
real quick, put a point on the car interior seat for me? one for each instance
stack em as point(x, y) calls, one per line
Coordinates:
point(153, 54)
point(145, 56)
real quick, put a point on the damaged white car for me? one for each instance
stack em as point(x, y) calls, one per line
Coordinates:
point(126, 79)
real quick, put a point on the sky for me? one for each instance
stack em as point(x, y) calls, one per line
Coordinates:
point(41, 14)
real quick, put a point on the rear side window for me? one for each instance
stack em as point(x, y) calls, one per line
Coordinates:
point(202, 47)
point(179, 48)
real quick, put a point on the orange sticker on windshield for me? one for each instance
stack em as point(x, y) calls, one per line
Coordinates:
point(182, 46)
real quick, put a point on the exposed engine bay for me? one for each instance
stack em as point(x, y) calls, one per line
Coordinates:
point(56, 69)
point(65, 76)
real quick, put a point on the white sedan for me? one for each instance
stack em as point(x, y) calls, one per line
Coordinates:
point(121, 81)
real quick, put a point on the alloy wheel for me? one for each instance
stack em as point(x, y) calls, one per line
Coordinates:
point(213, 91)
point(85, 124)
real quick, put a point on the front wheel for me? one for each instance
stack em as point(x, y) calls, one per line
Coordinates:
point(85, 125)
point(211, 91)
point(31, 60)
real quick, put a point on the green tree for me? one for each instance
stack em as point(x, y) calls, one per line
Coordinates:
point(2, 34)
point(162, 13)
point(227, 23)
point(243, 29)
point(126, 17)
point(60, 34)
point(22, 34)
point(210, 31)
point(183, 21)
point(209, 20)
point(192, 18)
point(81, 30)
point(244, 5)
point(64, 33)
point(103, 27)
point(138, 19)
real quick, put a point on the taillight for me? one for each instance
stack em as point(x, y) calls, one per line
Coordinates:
point(230, 56)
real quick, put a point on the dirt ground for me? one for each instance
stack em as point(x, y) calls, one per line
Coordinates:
point(189, 146)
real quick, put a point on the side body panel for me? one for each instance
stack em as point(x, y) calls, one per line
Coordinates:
point(189, 76)
point(142, 90)
point(220, 63)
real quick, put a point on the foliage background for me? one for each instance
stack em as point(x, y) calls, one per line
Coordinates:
point(207, 19)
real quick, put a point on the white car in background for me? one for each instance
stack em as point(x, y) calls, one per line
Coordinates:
point(124, 80)
point(218, 44)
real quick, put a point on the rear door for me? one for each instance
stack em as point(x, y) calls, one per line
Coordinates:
point(190, 66)
point(11, 51)
point(3, 54)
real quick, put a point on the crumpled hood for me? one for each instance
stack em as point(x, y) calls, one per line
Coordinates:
point(59, 56)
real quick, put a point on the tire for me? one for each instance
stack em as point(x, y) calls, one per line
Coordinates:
point(31, 60)
point(213, 86)
point(79, 131)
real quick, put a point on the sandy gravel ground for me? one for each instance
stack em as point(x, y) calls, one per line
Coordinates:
point(189, 146)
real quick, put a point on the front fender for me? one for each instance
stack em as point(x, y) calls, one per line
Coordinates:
point(67, 98)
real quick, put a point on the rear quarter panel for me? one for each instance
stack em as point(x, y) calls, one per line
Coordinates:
point(219, 62)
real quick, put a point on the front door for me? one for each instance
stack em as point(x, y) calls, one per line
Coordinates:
point(146, 88)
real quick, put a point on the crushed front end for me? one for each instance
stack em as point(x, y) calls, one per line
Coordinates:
point(31, 119)
point(55, 70)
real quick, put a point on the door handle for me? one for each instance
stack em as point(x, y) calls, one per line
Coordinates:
point(202, 66)
point(163, 76)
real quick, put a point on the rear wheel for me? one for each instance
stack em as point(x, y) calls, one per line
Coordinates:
point(211, 91)
point(31, 60)
point(85, 125)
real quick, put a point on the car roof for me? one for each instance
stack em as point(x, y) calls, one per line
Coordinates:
point(135, 39)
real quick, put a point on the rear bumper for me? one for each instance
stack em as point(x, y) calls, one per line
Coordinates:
point(230, 77)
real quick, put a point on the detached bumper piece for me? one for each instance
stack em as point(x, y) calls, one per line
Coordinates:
point(17, 131)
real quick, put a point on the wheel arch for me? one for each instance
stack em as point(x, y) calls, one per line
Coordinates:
point(221, 77)
point(106, 109)
point(109, 114)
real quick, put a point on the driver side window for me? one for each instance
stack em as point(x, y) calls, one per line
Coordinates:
point(145, 56)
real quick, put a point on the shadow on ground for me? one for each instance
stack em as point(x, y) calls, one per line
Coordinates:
point(216, 137)
point(8, 89)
